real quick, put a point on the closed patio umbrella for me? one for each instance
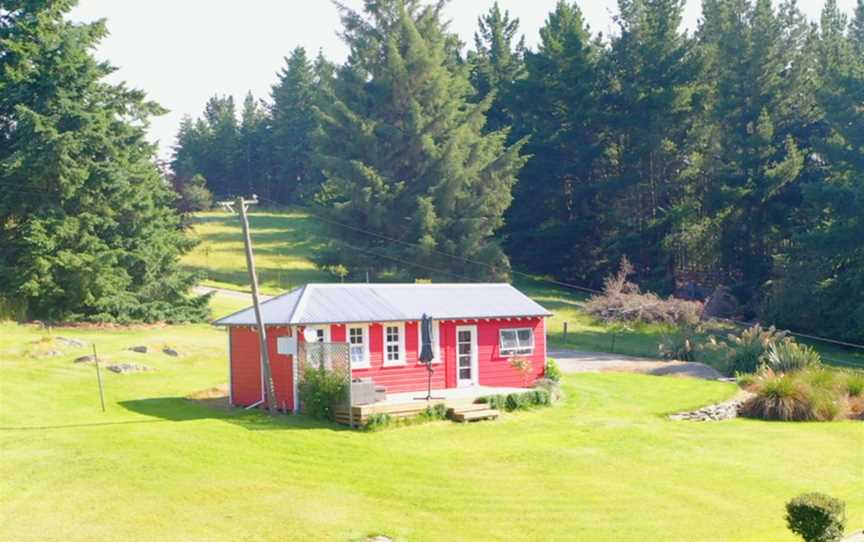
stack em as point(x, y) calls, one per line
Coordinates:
point(427, 354)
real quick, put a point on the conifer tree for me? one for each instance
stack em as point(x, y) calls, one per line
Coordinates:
point(497, 62)
point(404, 151)
point(761, 115)
point(87, 231)
point(558, 219)
point(251, 155)
point(293, 126)
point(654, 82)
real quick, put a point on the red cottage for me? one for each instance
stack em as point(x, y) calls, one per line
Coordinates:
point(477, 328)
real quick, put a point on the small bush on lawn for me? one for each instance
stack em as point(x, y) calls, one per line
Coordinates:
point(552, 372)
point(787, 355)
point(378, 420)
point(621, 301)
point(816, 517)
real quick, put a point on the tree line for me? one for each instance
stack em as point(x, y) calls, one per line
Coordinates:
point(737, 150)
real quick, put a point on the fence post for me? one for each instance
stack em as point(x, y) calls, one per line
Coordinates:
point(99, 378)
point(565, 332)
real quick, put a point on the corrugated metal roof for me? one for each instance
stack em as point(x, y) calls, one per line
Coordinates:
point(339, 303)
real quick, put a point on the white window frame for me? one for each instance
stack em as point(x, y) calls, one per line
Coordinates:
point(365, 363)
point(520, 349)
point(325, 329)
point(326, 337)
point(436, 341)
point(400, 343)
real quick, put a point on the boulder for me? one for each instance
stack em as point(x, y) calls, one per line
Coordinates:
point(168, 351)
point(124, 367)
point(75, 343)
point(85, 359)
point(721, 304)
point(141, 349)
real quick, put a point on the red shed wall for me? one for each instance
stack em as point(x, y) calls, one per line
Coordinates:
point(493, 368)
point(246, 367)
point(411, 376)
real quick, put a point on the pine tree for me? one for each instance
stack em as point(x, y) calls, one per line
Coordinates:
point(251, 154)
point(821, 288)
point(497, 62)
point(762, 114)
point(404, 152)
point(558, 220)
point(654, 75)
point(293, 126)
point(87, 231)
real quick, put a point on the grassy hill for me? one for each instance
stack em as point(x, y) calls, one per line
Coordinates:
point(285, 241)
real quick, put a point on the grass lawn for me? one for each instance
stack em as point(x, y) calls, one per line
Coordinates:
point(604, 465)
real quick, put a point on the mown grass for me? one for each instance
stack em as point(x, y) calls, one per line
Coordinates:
point(603, 465)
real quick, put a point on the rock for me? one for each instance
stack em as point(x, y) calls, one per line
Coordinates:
point(85, 359)
point(49, 353)
point(378, 538)
point(75, 343)
point(128, 368)
point(140, 349)
point(168, 351)
point(721, 411)
point(721, 304)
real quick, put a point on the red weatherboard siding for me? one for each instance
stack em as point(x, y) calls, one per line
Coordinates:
point(494, 370)
point(246, 367)
point(408, 377)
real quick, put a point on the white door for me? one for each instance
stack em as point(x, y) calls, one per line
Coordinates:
point(466, 355)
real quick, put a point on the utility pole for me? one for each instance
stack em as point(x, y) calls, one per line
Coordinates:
point(269, 389)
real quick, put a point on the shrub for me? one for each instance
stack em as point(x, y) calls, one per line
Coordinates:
point(320, 390)
point(787, 355)
point(377, 420)
point(518, 400)
point(816, 517)
point(810, 394)
point(854, 383)
point(779, 398)
point(681, 343)
point(552, 372)
point(551, 387)
point(621, 301)
point(745, 351)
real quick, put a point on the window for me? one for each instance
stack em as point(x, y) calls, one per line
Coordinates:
point(358, 345)
point(516, 341)
point(436, 344)
point(319, 356)
point(394, 344)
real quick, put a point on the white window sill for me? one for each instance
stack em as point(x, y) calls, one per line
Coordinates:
point(366, 365)
point(516, 354)
point(394, 364)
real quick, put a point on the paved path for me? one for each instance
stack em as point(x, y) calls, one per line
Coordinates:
point(201, 290)
point(572, 361)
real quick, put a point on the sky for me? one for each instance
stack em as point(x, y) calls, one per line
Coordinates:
point(182, 52)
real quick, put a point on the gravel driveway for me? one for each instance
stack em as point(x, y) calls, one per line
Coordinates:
point(573, 361)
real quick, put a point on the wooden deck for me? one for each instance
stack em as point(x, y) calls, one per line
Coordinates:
point(459, 402)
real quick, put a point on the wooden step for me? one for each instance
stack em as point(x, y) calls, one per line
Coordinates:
point(475, 415)
point(469, 407)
